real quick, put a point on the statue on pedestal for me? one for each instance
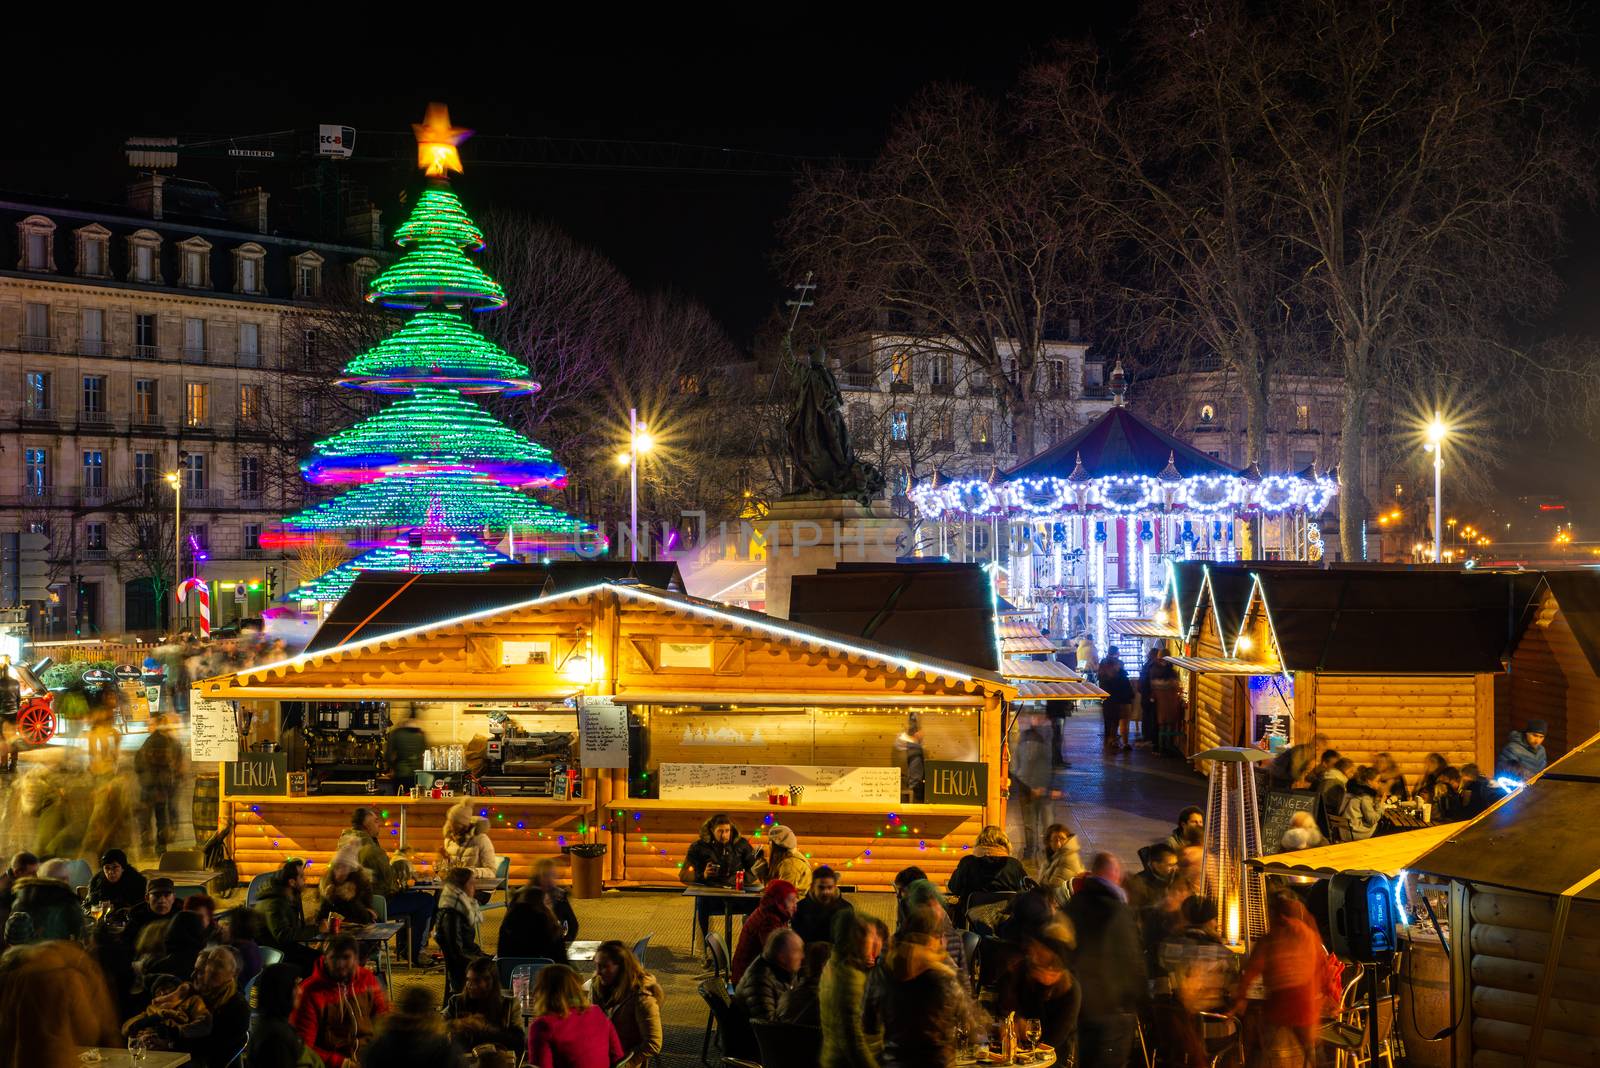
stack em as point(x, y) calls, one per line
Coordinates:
point(819, 442)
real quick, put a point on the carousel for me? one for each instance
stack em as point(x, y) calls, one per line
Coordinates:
point(1085, 531)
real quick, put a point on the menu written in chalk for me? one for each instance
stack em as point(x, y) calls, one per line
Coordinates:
point(213, 730)
point(753, 782)
point(602, 733)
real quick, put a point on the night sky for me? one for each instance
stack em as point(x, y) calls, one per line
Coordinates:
point(817, 82)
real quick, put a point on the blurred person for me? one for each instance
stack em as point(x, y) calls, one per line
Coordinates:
point(1063, 860)
point(103, 742)
point(413, 906)
point(989, 867)
point(909, 745)
point(1148, 722)
point(1391, 782)
point(22, 866)
point(240, 928)
point(159, 766)
point(283, 914)
point(785, 861)
point(799, 1005)
point(1088, 657)
point(273, 1043)
point(1446, 799)
point(1037, 984)
point(1118, 703)
point(777, 908)
point(466, 844)
point(1191, 829)
point(1328, 759)
point(530, 928)
point(923, 897)
point(1523, 755)
point(771, 975)
point(1033, 781)
point(160, 902)
point(456, 926)
point(1293, 764)
point(715, 858)
point(631, 999)
point(346, 888)
point(1198, 973)
point(43, 909)
point(55, 832)
point(903, 879)
point(181, 944)
point(1168, 698)
point(206, 907)
point(403, 749)
point(1302, 833)
point(484, 1014)
point(922, 1003)
point(53, 1003)
point(1108, 963)
point(1475, 792)
point(1150, 884)
point(547, 879)
point(1432, 765)
point(566, 1031)
point(117, 883)
point(813, 918)
point(413, 1035)
point(339, 1004)
point(1361, 804)
point(110, 818)
point(1288, 960)
point(205, 1016)
point(1330, 797)
point(841, 996)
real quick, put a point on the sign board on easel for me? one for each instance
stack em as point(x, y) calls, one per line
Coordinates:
point(213, 729)
point(602, 733)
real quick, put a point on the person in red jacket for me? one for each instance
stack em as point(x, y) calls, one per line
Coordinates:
point(1289, 961)
point(778, 902)
point(339, 1004)
point(567, 1031)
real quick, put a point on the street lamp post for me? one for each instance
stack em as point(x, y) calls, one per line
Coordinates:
point(639, 441)
point(1436, 435)
point(175, 480)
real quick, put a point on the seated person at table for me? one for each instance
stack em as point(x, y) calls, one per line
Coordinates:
point(53, 1003)
point(456, 926)
point(902, 881)
point(23, 865)
point(206, 906)
point(413, 1036)
point(567, 1031)
point(466, 845)
point(240, 928)
point(44, 910)
point(205, 1017)
point(799, 1004)
point(786, 861)
point(778, 902)
point(1197, 974)
point(285, 918)
point(1037, 985)
point(714, 859)
point(180, 947)
point(546, 879)
point(1391, 783)
point(813, 919)
point(530, 929)
point(1432, 765)
point(631, 999)
point(1446, 800)
point(346, 888)
point(388, 880)
point(481, 1014)
point(770, 975)
point(339, 1005)
point(118, 884)
point(1361, 806)
point(273, 1043)
point(158, 905)
point(989, 868)
point(1476, 792)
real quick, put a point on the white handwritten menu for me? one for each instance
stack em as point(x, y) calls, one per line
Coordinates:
point(213, 731)
point(753, 782)
point(602, 733)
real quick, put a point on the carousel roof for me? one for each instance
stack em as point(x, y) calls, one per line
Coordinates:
point(1119, 443)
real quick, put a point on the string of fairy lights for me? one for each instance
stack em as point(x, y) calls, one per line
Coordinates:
point(1124, 495)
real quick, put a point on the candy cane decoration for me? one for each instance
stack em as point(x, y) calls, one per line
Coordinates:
point(202, 602)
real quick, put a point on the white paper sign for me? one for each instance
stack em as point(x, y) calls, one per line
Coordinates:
point(602, 733)
point(213, 730)
point(753, 782)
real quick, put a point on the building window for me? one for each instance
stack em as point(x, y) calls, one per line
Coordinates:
point(37, 237)
point(362, 272)
point(200, 537)
point(941, 370)
point(900, 370)
point(249, 344)
point(309, 344)
point(249, 476)
point(1302, 417)
point(146, 406)
point(981, 429)
point(144, 469)
point(194, 340)
point(94, 394)
point(899, 425)
point(861, 423)
point(94, 537)
point(94, 252)
point(1055, 376)
point(247, 262)
point(36, 471)
point(1301, 459)
point(249, 403)
point(899, 481)
point(36, 392)
point(196, 262)
point(194, 472)
point(144, 336)
point(36, 328)
point(307, 276)
point(94, 473)
point(944, 428)
point(197, 404)
point(252, 538)
point(1054, 429)
point(144, 254)
point(92, 332)
point(1208, 414)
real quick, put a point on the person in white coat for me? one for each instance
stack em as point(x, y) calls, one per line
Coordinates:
point(467, 845)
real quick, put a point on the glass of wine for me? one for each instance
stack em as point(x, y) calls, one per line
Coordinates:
point(1032, 1030)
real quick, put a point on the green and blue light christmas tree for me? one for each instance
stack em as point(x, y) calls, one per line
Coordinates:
point(434, 472)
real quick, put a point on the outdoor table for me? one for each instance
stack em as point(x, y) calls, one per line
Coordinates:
point(1036, 1059)
point(747, 899)
point(581, 950)
point(121, 1058)
point(379, 933)
point(185, 878)
point(1396, 819)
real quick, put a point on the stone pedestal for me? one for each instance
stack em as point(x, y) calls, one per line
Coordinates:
point(807, 535)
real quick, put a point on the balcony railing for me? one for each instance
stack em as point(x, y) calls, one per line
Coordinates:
point(943, 389)
point(87, 417)
point(96, 554)
point(194, 354)
point(858, 379)
point(248, 359)
point(36, 343)
point(92, 494)
point(902, 387)
point(146, 352)
point(983, 446)
point(36, 412)
point(93, 346)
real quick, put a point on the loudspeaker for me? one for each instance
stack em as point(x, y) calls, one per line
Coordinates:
point(1361, 917)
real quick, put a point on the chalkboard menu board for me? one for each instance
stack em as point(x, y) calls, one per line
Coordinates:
point(213, 731)
point(602, 733)
point(1277, 809)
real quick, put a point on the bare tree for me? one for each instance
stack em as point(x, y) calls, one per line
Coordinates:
point(956, 233)
point(140, 539)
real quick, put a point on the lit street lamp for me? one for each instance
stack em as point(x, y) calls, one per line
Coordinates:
point(639, 441)
point(1437, 432)
point(175, 480)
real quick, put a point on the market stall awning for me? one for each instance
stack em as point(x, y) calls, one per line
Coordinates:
point(1389, 854)
point(1015, 646)
point(1145, 628)
point(1221, 665)
point(1064, 690)
point(1052, 670)
point(713, 581)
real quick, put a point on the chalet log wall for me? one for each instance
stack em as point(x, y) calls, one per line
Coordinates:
point(1551, 679)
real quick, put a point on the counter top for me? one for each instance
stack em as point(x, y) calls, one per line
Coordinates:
point(686, 803)
point(368, 800)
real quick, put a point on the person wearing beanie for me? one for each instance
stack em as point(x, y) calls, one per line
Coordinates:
point(1523, 755)
point(813, 920)
point(786, 861)
point(118, 883)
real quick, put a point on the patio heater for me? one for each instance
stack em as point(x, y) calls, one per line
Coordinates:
point(1233, 835)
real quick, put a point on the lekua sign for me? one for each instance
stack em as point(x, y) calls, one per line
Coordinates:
point(956, 782)
point(259, 773)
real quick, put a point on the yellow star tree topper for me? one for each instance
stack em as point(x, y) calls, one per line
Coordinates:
point(437, 141)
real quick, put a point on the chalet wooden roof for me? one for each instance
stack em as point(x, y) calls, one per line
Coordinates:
point(938, 609)
point(1577, 594)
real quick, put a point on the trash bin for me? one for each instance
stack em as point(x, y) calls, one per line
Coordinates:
point(588, 860)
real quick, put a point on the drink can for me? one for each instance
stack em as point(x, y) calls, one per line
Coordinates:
point(738, 881)
point(335, 921)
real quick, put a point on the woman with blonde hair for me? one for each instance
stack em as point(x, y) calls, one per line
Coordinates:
point(466, 845)
point(566, 1031)
point(53, 1002)
point(989, 867)
point(631, 998)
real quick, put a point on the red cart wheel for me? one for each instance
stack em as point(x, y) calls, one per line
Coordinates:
point(36, 723)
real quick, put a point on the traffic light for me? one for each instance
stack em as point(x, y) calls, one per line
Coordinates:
point(272, 582)
point(33, 567)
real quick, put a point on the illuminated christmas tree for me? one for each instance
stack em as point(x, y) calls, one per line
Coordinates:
point(434, 471)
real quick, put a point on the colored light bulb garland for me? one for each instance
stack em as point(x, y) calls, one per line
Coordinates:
point(436, 272)
point(439, 216)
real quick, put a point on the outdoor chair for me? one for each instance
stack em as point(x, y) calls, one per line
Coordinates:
point(785, 1045)
point(717, 954)
point(1338, 828)
point(641, 947)
point(270, 956)
point(732, 1026)
point(507, 965)
point(257, 886)
point(181, 860)
point(502, 871)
